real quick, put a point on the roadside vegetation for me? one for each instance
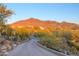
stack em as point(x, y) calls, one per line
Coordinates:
point(60, 41)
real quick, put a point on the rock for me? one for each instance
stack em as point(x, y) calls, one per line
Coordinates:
point(6, 45)
point(14, 45)
point(3, 49)
point(5, 54)
point(7, 42)
point(9, 47)
point(1, 54)
point(17, 43)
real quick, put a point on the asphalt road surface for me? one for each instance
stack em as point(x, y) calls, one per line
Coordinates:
point(30, 49)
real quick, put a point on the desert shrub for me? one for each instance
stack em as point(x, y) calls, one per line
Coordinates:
point(59, 40)
point(73, 51)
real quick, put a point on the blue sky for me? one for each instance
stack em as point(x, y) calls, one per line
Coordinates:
point(44, 11)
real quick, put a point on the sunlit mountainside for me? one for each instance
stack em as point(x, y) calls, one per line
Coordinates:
point(35, 24)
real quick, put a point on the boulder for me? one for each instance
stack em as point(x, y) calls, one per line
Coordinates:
point(9, 47)
point(8, 44)
point(3, 49)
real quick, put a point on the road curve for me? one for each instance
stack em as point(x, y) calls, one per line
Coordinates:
point(30, 49)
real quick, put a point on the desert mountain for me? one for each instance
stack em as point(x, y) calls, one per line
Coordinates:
point(33, 24)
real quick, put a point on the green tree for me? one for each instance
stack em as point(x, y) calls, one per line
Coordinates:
point(4, 14)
